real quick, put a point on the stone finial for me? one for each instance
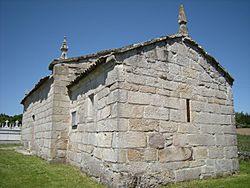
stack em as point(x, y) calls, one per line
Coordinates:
point(182, 22)
point(64, 49)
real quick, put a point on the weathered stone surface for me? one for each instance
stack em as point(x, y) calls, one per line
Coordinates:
point(135, 155)
point(175, 154)
point(156, 113)
point(104, 113)
point(168, 126)
point(143, 125)
point(223, 165)
point(200, 153)
point(201, 140)
point(177, 115)
point(132, 127)
point(215, 152)
point(104, 139)
point(129, 140)
point(226, 140)
point(127, 110)
point(188, 128)
point(114, 155)
point(180, 140)
point(138, 97)
point(147, 89)
point(156, 140)
point(187, 174)
point(231, 152)
point(210, 129)
point(117, 95)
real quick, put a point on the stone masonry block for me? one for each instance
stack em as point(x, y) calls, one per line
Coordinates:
point(172, 154)
point(127, 110)
point(177, 115)
point(156, 113)
point(200, 153)
point(223, 165)
point(226, 140)
point(188, 128)
point(142, 154)
point(210, 129)
point(104, 139)
point(129, 140)
point(187, 174)
point(147, 89)
point(143, 124)
point(168, 126)
point(215, 152)
point(156, 140)
point(231, 152)
point(114, 155)
point(103, 113)
point(138, 97)
point(201, 140)
point(117, 95)
point(180, 140)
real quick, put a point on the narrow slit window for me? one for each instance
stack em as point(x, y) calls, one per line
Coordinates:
point(188, 109)
point(74, 123)
point(91, 106)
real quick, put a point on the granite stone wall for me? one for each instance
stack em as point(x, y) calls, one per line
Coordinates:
point(46, 117)
point(151, 115)
point(140, 133)
point(37, 121)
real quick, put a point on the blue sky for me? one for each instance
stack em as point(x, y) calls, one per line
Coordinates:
point(31, 33)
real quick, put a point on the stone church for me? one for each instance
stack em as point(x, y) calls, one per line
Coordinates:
point(138, 116)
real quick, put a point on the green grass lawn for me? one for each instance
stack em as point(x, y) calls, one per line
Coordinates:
point(9, 145)
point(243, 143)
point(17, 170)
point(242, 180)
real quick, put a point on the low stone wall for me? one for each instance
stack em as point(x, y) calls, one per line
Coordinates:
point(10, 133)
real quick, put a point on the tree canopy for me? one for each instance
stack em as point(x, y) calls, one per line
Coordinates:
point(242, 119)
point(11, 119)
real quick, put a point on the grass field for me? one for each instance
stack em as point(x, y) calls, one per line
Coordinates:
point(9, 145)
point(243, 143)
point(19, 171)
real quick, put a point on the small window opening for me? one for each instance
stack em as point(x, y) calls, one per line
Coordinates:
point(188, 109)
point(91, 106)
point(33, 117)
point(74, 123)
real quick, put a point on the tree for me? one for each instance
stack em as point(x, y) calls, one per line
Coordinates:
point(11, 119)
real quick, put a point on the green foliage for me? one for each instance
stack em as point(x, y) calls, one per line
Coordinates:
point(11, 119)
point(20, 171)
point(242, 119)
point(243, 142)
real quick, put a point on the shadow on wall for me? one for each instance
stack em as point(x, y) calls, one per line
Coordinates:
point(94, 79)
point(39, 95)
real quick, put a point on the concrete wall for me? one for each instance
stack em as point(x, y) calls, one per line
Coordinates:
point(10, 136)
point(139, 134)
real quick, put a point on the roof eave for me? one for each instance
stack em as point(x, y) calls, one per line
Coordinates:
point(40, 82)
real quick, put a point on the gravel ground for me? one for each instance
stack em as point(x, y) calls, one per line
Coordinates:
point(243, 131)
